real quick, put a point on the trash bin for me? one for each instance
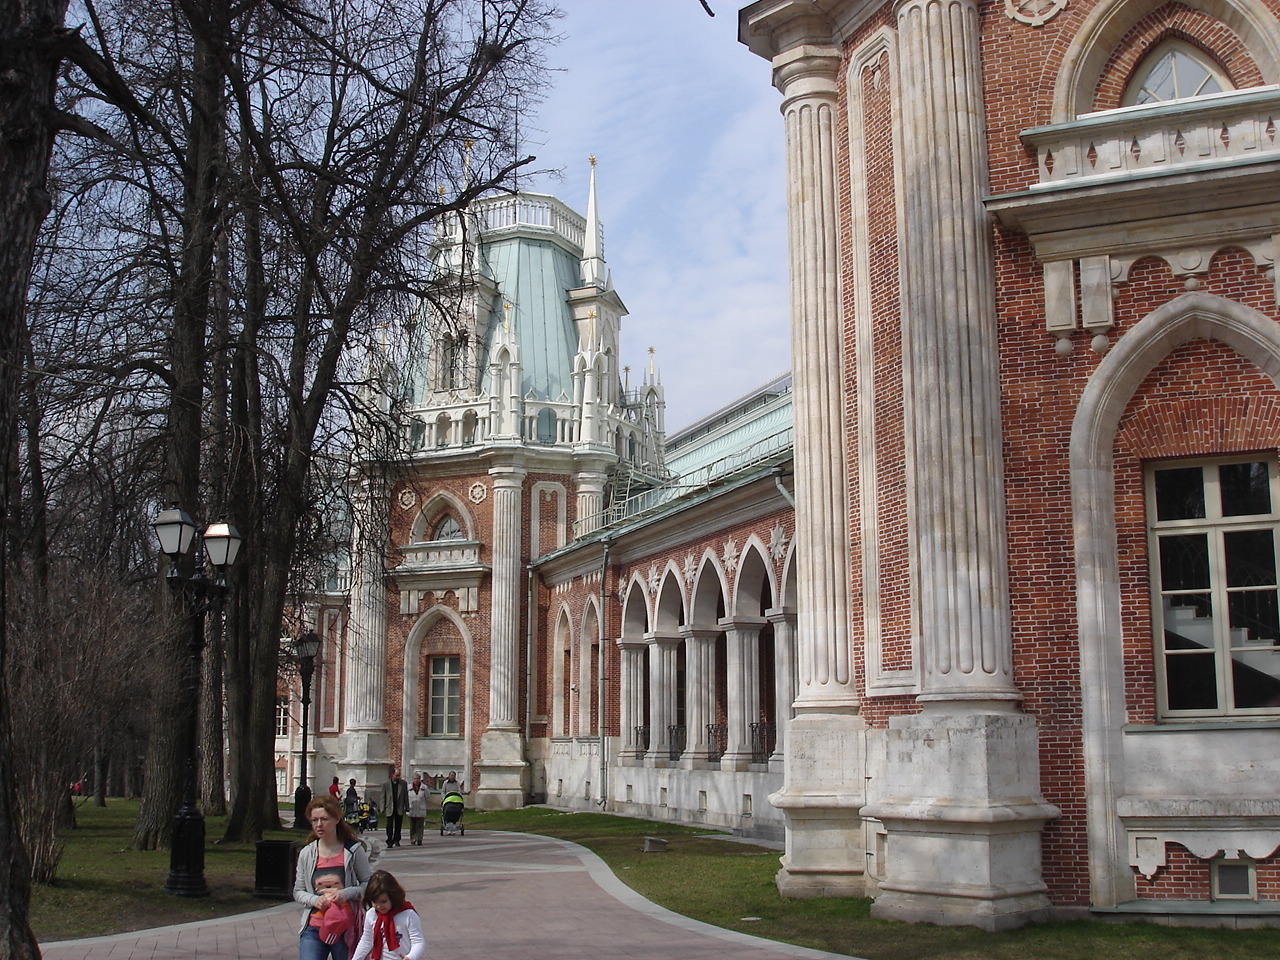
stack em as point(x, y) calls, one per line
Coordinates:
point(274, 868)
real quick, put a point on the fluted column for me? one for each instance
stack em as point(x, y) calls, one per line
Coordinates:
point(502, 757)
point(784, 676)
point(700, 651)
point(823, 787)
point(961, 800)
point(631, 689)
point(952, 360)
point(742, 654)
point(662, 691)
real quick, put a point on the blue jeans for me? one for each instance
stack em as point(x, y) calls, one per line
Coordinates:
point(311, 947)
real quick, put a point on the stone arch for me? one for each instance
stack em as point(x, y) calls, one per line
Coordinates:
point(710, 590)
point(754, 590)
point(412, 679)
point(635, 609)
point(1098, 599)
point(669, 607)
point(1104, 30)
point(561, 673)
point(590, 632)
point(440, 502)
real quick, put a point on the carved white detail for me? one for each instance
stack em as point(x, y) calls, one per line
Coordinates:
point(407, 499)
point(478, 492)
point(730, 555)
point(1034, 13)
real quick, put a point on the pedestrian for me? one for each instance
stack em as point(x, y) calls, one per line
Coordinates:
point(352, 798)
point(417, 809)
point(332, 868)
point(335, 791)
point(392, 928)
point(395, 804)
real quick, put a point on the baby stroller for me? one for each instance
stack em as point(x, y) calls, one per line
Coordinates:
point(451, 809)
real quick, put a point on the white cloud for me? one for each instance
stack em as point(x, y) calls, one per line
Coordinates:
point(690, 185)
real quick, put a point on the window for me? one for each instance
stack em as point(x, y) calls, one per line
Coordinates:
point(453, 363)
point(1175, 71)
point(447, 528)
point(1233, 879)
point(282, 716)
point(443, 709)
point(1212, 529)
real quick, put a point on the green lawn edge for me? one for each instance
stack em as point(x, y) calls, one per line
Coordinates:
point(103, 888)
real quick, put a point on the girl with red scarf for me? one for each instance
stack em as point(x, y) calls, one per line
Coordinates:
point(392, 930)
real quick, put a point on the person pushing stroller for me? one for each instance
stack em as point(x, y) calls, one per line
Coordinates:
point(451, 806)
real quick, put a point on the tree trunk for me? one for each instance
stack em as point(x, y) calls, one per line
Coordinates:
point(26, 141)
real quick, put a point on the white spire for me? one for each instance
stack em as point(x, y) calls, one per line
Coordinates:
point(593, 269)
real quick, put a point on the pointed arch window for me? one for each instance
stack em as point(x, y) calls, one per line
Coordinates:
point(1175, 71)
point(448, 528)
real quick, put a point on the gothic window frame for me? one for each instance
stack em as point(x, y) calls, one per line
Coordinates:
point(1169, 87)
point(1198, 589)
point(446, 526)
point(283, 722)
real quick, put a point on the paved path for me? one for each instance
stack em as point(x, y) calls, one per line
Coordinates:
point(484, 896)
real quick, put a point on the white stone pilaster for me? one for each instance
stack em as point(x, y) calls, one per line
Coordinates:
point(662, 692)
point(366, 740)
point(502, 763)
point(700, 650)
point(784, 678)
point(631, 700)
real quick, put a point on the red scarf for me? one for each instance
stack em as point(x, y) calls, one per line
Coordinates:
point(384, 931)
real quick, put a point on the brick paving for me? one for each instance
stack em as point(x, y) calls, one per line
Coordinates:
point(483, 896)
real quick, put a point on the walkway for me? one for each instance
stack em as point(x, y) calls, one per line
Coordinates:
point(484, 896)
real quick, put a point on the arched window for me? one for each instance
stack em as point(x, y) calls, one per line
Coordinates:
point(447, 528)
point(1175, 71)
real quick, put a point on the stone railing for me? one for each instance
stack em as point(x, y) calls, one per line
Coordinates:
point(527, 212)
point(1239, 125)
point(442, 553)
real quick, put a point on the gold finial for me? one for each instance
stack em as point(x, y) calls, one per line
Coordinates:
point(626, 377)
point(440, 190)
point(591, 328)
point(592, 159)
point(651, 352)
point(506, 317)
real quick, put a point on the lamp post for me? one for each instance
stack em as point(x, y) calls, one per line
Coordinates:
point(220, 544)
point(305, 649)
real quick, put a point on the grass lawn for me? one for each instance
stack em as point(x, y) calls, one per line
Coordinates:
point(104, 887)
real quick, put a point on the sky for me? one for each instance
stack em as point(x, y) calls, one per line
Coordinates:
point(690, 188)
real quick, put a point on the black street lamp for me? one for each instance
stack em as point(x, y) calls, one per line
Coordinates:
point(305, 649)
point(220, 544)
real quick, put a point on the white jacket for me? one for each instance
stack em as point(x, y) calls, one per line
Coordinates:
point(413, 943)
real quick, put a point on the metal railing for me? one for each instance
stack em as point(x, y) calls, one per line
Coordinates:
point(642, 740)
point(763, 739)
point(677, 738)
point(717, 740)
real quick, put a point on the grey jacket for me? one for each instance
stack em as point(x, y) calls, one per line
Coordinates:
point(354, 859)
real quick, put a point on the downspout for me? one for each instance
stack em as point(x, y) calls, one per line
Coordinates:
point(530, 637)
point(786, 494)
point(600, 697)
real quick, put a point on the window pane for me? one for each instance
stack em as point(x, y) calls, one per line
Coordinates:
point(1180, 494)
point(1255, 677)
point(1251, 558)
point(1188, 622)
point(1191, 681)
point(1246, 489)
point(1233, 880)
point(1184, 562)
point(1253, 617)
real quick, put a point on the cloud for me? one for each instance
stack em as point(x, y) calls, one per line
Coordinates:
point(691, 188)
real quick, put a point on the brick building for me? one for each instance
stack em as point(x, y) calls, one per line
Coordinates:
point(989, 634)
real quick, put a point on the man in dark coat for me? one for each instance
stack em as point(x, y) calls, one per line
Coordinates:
point(395, 804)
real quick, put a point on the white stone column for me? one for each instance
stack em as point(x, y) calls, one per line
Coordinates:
point(700, 651)
point(366, 740)
point(823, 788)
point(742, 654)
point(961, 799)
point(502, 763)
point(784, 675)
point(662, 691)
point(631, 693)
point(590, 480)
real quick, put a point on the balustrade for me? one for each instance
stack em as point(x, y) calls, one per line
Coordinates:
point(717, 740)
point(677, 738)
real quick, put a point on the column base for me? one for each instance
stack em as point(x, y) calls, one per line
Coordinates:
point(820, 801)
point(367, 758)
point(963, 820)
point(503, 771)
